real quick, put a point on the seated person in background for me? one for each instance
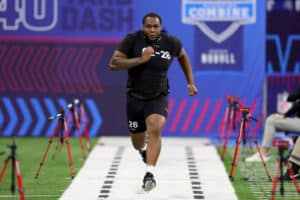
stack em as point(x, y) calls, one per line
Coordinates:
point(290, 121)
point(294, 159)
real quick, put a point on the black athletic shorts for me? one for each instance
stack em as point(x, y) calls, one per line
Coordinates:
point(138, 110)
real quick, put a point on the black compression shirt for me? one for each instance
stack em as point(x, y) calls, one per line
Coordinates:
point(150, 79)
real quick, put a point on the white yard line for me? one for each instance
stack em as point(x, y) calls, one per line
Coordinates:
point(38, 196)
point(188, 168)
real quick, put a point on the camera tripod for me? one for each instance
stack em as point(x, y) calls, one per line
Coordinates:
point(61, 127)
point(81, 116)
point(15, 171)
point(229, 122)
point(282, 145)
point(74, 113)
point(83, 120)
point(74, 119)
point(245, 123)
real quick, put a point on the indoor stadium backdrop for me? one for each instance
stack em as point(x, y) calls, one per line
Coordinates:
point(55, 51)
point(282, 52)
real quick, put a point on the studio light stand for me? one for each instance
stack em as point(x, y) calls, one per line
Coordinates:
point(242, 136)
point(61, 128)
point(15, 170)
point(282, 145)
point(229, 122)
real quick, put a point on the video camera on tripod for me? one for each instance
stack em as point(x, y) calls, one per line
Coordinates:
point(244, 110)
point(75, 111)
point(282, 161)
point(232, 99)
point(246, 114)
point(15, 171)
point(233, 104)
point(229, 121)
point(242, 136)
point(281, 144)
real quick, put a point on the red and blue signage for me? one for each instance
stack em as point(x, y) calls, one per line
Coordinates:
point(52, 52)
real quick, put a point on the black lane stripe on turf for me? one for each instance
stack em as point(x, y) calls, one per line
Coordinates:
point(111, 174)
point(193, 173)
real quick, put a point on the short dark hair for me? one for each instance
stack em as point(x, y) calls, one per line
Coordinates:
point(152, 14)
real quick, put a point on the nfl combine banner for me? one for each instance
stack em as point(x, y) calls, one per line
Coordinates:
point(228, 57)
point(53, 52)
point(219, 24)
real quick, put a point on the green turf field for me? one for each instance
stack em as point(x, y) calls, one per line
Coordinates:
point(250, 180)
point(54, 175)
